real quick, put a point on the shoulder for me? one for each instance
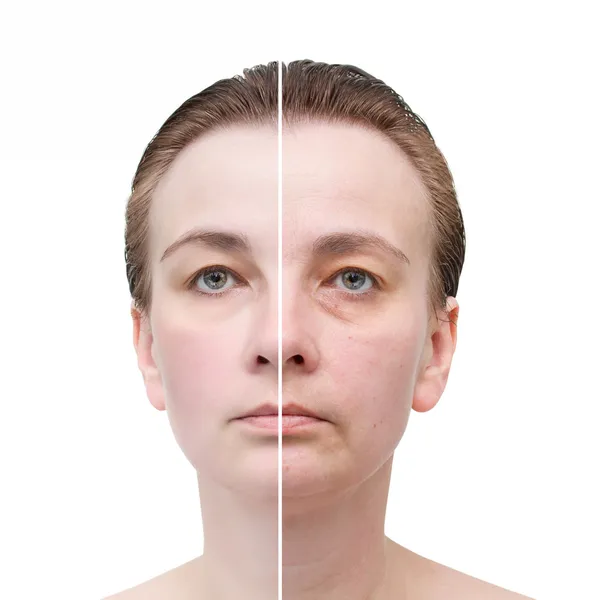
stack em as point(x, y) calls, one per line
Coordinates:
point(180, 583)
point(426, 579)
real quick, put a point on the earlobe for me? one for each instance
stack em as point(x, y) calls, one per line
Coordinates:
point(439, 350)
point(143, 342)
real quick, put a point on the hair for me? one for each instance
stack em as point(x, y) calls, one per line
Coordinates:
point(311, 92)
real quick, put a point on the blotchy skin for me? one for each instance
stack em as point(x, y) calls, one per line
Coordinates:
point(424, 580)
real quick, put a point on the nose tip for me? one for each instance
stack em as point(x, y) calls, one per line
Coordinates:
point(296, 348)
point(299, 352)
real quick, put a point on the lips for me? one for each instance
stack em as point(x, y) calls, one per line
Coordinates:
point(290, 409)
point(289, 423)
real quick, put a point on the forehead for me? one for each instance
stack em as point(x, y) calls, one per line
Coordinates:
point(346, 177)
point(335, 177)
point(227, 179)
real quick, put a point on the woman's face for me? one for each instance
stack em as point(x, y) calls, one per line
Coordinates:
point(207, 331)
point(354, 308)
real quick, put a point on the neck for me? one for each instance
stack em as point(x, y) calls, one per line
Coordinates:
point(336, 548)
point(240, 558)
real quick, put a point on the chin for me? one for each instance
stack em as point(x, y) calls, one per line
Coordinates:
point(255, 474)
point(316, 477)
point(324, 474)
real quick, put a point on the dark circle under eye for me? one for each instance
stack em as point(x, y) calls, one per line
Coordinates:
point(355, 280)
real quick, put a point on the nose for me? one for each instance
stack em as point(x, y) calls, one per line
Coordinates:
point(299, 351)
point(298, 347)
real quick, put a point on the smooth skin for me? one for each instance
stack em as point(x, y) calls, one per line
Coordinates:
point(360, 349)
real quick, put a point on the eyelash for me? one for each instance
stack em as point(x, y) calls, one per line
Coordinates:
point(352, 296)
point(358, 296)
point(193, 287)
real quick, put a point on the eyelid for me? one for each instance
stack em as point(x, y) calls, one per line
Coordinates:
point(376, 283)
point(193, 281)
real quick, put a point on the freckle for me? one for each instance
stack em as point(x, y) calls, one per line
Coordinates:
point(374, 426)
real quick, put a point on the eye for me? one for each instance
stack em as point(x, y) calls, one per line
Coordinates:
point(356, 281)
point(213, 281)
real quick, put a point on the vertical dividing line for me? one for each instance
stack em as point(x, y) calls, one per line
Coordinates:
point(280, 325)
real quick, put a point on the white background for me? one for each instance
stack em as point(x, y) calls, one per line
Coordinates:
point(499, 480)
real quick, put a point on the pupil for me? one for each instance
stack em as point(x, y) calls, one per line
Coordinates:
point(214, 278)
point(353, 278)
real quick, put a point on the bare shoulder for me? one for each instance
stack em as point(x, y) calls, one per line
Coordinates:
point(426, 579)
point(180, 583)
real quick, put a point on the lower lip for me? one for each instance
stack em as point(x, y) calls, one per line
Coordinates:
point(289, 422)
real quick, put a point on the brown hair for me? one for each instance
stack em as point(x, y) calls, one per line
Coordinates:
point(311, 92)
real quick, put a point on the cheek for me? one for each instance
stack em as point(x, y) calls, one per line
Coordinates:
point(375, 375)
point(201, 383)
point(193, 364)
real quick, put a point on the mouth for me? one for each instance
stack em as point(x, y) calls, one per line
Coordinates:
point(288, 410)
point(295, 418)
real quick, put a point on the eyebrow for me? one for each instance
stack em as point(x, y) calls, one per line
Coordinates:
point(343, 242)
point(228, 241)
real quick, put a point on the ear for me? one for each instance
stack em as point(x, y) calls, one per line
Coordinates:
point(436, 358)
point(143, 341)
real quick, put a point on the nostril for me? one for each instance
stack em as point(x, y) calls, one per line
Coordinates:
point(298, 359)
point(262, 360)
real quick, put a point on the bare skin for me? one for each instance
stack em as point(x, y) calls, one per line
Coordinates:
point(410, 576)
point(360, 357)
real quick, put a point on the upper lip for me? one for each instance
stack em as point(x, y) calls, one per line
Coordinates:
point(273, 410)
